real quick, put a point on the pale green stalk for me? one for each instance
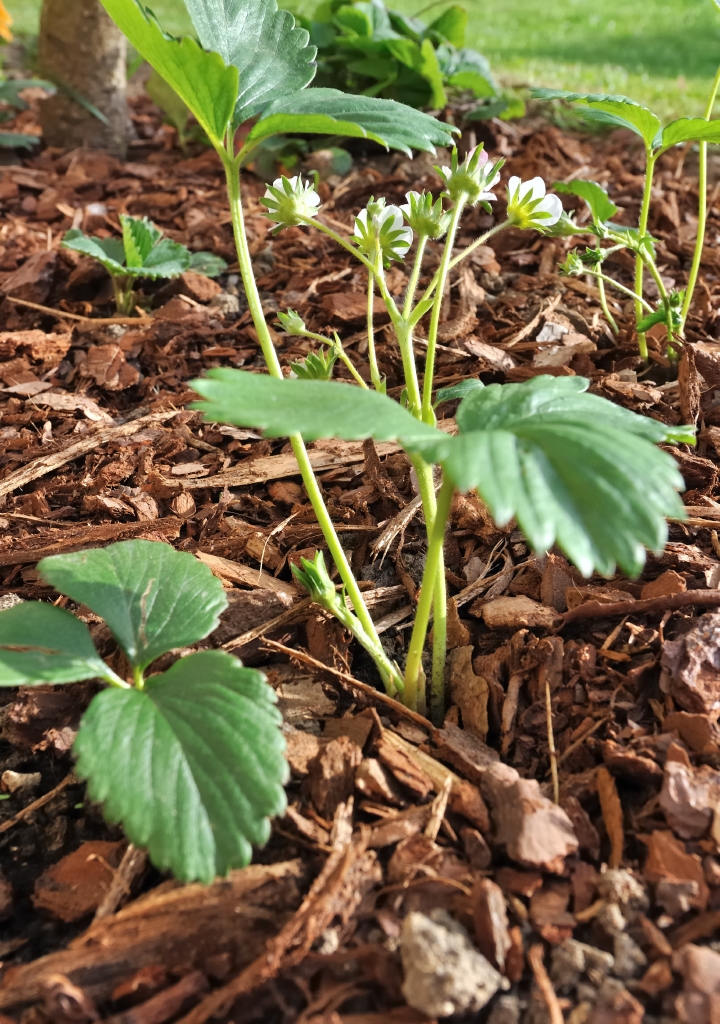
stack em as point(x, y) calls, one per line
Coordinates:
point(433, 565)
point(621, 288)
point(372, 355)
point(702, 210)
point(605, 308)
point(461, 256)
point(642, 230)
point(387, 670)
point(443, 270)
point(414, 276)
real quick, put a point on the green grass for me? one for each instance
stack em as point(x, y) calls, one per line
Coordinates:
point(661, 52)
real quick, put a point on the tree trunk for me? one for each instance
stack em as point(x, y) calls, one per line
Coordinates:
point(84, 54)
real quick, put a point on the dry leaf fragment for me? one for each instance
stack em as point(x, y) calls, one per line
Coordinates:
point(469, 691)
point(517, 612)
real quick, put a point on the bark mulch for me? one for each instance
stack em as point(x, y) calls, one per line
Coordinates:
point(407, 851)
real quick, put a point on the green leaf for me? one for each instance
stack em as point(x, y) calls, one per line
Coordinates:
point(164, 96)
point(658, 317)
point(430, 71)
point(139, 236)
point(312, 408)
point(263, 43)
point(192, 766)
point(108, 251)
point(691, 129)
point(451, 25)
point(460, 390)
point(201, 79)
point(43, 644)
point(572, 468)
point(17, 140)
point(601, 206)
point(207, 263)
point(152, 597)
point(330, 112)
point(617, 111)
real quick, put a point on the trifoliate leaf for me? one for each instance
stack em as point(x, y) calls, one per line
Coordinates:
point(201, 79)
point(330, 112)
point(139, 237)
point(43, 644)
point(192, 766)
point(312, 408)
point(691, 129)
point(601, 206)
point(152, 597)
point(617, 111)
point(572, 468)
point(263, 43)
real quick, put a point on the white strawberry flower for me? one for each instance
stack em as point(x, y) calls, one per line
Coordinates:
point(290, 201)
point(381, 229)
point(529, 206)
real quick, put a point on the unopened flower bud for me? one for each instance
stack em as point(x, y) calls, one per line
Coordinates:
point(292, 323)
point(472, 179)
point(425, 217)
point(313, 575)
point(290, 201)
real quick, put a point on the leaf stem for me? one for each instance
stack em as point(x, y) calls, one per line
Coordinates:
point(414, 276)
point(460, 257)
point(428, 414)
point(620, 287)
point(433, 564)
point(387, 670)
point(642, 229)
point(702, 210)
point(138, 678)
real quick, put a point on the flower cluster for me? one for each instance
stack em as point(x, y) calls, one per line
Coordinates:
point(379, 231)
point(472, 179)
point(529, 207)
point(290, 201)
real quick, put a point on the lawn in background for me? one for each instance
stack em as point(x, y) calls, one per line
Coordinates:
point(661, 52)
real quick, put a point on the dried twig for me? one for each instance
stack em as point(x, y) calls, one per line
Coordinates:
point(542, 980)
point(551, 743)
point(135, 321)
point(597, 610)
point(131, 867)
point(37, 804)
point(345, 677)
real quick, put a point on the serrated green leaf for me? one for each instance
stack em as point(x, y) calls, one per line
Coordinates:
point(658, 317)
point(617, 111)
point(107, 251)
point(691, 129)
point(139, 237)
point(272, 55)
point(192, 766)
point(460, 390)
point(207, 263)
point(312, 408)
point(201, 79)
point(451, 25)
point(601, 206)
point(43, 644)
point(330, 112)
point(152, 597)
point(573, 469)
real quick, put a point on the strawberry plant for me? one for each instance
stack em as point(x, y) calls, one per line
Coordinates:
point(189, 760)
point(143, 251)
point(672, 308)
point(573, 469)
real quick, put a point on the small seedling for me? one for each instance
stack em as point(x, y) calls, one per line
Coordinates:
point(143, 251)
point(190, 760)
point(672, 308)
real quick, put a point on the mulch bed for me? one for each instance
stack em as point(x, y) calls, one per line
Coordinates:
point(407, 850)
